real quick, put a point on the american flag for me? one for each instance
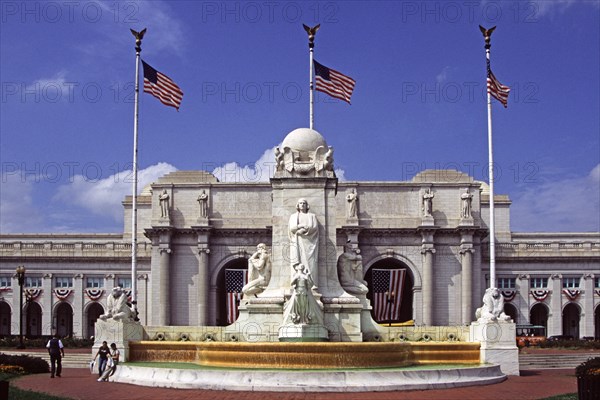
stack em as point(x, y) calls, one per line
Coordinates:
point(333, 83)
point(496, 89)
point(162, 87)
point(235, 279)
point(387, 293)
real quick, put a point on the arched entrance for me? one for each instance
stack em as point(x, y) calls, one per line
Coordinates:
point(33, 319)
point(390, 284)
point(4, 318)
point(571, 316)
point(539, 315)
point(64, 319)
point(94, 310)
point(232, 277)
point(511, 311)
point(597, 323)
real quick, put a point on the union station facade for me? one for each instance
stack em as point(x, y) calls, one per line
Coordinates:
point(434, 227)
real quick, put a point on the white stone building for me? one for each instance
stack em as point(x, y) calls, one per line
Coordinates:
point(433, 226)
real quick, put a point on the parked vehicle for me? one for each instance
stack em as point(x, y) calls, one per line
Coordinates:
point(554, 338)
point(530, 335)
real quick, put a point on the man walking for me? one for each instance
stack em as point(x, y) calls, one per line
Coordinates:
point(56, 351)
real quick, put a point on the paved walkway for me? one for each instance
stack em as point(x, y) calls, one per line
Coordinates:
point(80, 384)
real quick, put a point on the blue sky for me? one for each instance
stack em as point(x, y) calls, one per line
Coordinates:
point(67, 71)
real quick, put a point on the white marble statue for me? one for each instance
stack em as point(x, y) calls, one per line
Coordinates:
point(279, 163)
point(117, 308)
point(350, 271)
point(163, 199)
point(493, 307)
point(302, 307)
point(466, 199)
point(304, 237)
point(259, 271)
point(352, 201)
point(328, 163)
point(428, 203)
point(203, 201)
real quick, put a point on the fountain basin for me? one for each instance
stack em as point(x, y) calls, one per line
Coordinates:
point(311, 355)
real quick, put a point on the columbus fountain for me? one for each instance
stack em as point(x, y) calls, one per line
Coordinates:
point(305, 319)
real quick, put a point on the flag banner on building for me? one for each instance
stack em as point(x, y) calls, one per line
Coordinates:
point(162, 87)
point(496, 89)
point(235, 279)
point(572, 294)
point(333, 83)
point(387, 293)
point(509, 295)
point(540, 294)
point(63, 293)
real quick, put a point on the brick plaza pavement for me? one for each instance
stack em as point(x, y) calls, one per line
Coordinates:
point(78, 383)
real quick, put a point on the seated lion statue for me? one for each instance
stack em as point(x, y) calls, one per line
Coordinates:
point(117, 307)
point(493, 307)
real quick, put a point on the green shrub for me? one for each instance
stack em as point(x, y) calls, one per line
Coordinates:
point(40, 343)
point(31, 365)
point(590, 367)
point(571, 344)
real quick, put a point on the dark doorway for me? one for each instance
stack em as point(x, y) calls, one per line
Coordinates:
point(5, 319)
point(230, 281)
point(539, 315)
point(380, 278)
point(571, 316)
point(94, 310)
point(64, 319)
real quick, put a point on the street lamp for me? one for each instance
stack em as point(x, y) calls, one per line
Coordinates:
point(21, 278)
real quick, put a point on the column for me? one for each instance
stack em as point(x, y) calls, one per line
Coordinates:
point(466, 252)
point(427, 249)
point(522, 287)
point(555, 316)
point(586, 324)
point(203, 285)
point(46, 300)
point(78, 320)
point(164, 295)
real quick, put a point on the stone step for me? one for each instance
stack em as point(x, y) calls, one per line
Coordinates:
point(70, 360)
point(546, 361)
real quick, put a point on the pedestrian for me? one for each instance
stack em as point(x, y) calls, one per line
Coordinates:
point(103, 352)
point(56, 351)
point(111, 364)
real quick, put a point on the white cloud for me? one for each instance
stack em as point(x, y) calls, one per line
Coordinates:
point(54, 89)
point(443, 75)
point(564, 205)
point(104, 197)
point(17, 212)
point(165, 31)
point(260, 171)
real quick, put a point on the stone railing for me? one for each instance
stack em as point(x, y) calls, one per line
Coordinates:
point(76, 249)
point(544, 249)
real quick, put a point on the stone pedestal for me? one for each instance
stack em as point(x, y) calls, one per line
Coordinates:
point(117, 332)
point(498, 344)
point(303, 333)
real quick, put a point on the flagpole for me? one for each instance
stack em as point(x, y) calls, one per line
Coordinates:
point(487, 33)
point(311, 45)
point(138, 49)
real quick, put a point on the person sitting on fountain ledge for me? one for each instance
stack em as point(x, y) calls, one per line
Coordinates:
point(117, 306)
